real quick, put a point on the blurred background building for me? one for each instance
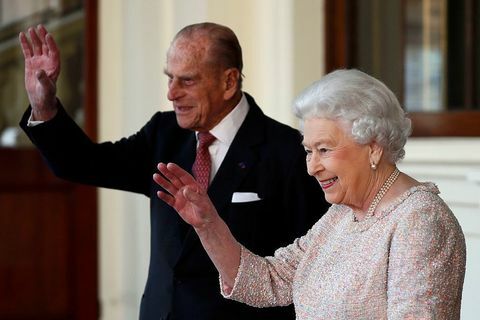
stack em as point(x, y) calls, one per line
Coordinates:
point(74, 252)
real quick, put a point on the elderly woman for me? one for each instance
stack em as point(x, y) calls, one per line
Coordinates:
point(388, 247)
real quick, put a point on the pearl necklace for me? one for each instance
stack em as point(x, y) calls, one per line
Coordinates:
point(378, 197)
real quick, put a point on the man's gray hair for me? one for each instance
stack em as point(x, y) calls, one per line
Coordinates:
point(226, 51)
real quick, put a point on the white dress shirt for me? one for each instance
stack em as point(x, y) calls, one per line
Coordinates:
point(225, 132)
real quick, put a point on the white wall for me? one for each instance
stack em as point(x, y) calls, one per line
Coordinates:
point(283, 53)
point(454, 164)
point(134, 36)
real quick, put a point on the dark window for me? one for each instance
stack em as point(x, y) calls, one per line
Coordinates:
point(426, 51)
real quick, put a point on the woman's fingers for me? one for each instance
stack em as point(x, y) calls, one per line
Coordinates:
point(167, 198)
point(184, 194)
point(169, 175)
point(173, 178)
point(192, 194)
point(180, 174)
point(165, 184)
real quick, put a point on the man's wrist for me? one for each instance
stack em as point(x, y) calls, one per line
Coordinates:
point(43, 115)
point(33, 123)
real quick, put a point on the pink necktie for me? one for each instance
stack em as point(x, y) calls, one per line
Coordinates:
point(203, 163)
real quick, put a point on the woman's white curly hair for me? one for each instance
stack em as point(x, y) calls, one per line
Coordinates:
point(365, 103)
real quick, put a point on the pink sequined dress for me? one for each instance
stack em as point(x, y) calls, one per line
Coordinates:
point(407, 262)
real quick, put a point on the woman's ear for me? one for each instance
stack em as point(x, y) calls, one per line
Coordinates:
point(231, 78)
point(375, 154)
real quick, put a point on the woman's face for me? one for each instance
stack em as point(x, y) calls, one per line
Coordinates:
point(340, 165)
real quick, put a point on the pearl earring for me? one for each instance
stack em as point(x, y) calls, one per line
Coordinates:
point(373, 166)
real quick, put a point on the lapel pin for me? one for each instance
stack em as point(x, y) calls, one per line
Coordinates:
point(242, 165)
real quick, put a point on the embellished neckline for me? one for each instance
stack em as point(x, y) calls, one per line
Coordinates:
point(365, 224)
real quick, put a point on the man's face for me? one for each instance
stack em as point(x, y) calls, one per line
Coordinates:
point(196, 87)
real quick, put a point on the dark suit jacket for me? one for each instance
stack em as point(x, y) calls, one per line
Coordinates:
point(266, 157)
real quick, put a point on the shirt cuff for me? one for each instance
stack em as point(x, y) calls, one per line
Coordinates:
point(33, 123)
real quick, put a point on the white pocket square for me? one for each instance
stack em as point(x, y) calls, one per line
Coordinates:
point(239, 197)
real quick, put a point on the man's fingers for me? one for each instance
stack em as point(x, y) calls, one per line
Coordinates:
point(43, 78)
point(26, 48)
point(42, 32)
point(40, 43)
point(36, 43)
point(52, 46)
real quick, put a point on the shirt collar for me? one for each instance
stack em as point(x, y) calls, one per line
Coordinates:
point(226, 129)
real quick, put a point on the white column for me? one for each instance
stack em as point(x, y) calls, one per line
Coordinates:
point(282, 42)
point(133, 38)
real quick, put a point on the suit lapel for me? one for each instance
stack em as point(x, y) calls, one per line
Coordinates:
point(186, 155)
point(240, 158)
point(177, 228)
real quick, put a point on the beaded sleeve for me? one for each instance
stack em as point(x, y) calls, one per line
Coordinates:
point(267, 282)
point(427, 251)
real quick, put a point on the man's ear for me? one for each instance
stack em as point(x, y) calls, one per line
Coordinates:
point(231, 78)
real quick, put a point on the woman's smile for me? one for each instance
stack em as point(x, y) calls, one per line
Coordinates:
point(326, 184)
